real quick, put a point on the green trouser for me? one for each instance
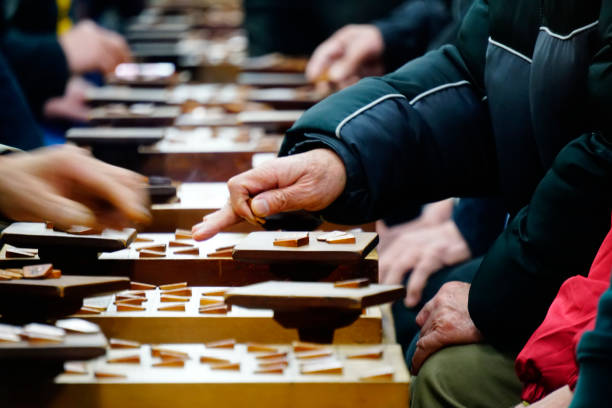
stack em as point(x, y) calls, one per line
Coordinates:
point(470, 376)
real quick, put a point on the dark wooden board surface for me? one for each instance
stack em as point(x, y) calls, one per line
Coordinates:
point(72, 286)
point(74, 347)
point(259, 247)
point(281, 296)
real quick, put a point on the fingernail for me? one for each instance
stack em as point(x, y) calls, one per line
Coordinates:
point(260, 207)
point(197, 227)
point(335, 73)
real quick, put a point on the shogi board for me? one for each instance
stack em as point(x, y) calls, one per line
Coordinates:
point(73, 347)
point(259, 247)
point(205, 154)
point(114, 136)
point(199, 270)
point(68, 286)
point(196, 384)
point(303, 295)
point(190, 326)
point(123, 94)
point(199, 199)
point(37, 235)
point(155, 116)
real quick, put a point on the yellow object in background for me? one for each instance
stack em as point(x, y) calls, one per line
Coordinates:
point(64, 23)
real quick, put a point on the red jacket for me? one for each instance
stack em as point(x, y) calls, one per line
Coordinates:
point(548, 360)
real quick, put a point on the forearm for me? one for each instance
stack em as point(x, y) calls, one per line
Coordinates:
point(555, 237)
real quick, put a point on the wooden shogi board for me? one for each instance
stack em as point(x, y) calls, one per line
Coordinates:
point(73, 347)
point(205, 154)
point(199, 270)
point(196, 384)
point(190, 326)
point(199, 199)
point(202, 270)
point(130, 117)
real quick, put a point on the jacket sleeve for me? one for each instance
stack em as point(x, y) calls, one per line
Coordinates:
point(555, 237)
point(422, 132)
point(39, 64)
point(409, 30)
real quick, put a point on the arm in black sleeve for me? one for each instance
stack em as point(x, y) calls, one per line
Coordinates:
point(480, 221)
point(420, 134)
point(39, 64)
point(409, 30)
point(555, 237)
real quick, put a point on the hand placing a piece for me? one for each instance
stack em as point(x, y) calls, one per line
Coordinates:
point(445, 320)
point(308, 181)
point(66, 186)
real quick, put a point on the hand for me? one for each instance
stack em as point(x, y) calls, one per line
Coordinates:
point(71, 105)
point(89, 47)
point(561, 398)
point(352, 52)
point(424, 251)
point(431, 214)
point(66, 186)
point(308, 181)
point(444, 321)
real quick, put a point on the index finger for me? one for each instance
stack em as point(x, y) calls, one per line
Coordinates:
point(425, 347)
point(322, 58)
point(215, 223)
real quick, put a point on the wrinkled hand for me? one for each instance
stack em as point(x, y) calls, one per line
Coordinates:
point(352, 52)
point(66, 186)
point(308, 181)
point(444, 321)
point(72, 105)
point(561, 398)
point(89, 47)
point(423, 249)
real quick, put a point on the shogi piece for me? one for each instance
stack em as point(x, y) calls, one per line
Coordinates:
point(37, 271)
point(275, 369)
point(14, 252)
point(375, 353)
point(353, 283)
point(213, 360)
point(85, 310)
point(78, 326)
point(159, 351)
point(226, 366)
point(207, 301)
point(154, 248)
point(342, 239)
point(172, 286)
point(312, 354)
point(187, 251)
point(379, 374)
point(225, 344)
point(178, 292)
point(225, 253)
point(275, 362)
point(75, 367)
point(214, 309)
point(141, 286)
point(108, 375)
point(132, 359)
point(123, 344)
point(293, 241)
point(55, 274)
point(179, 244)
point(299, 346)
point(121, 307)
point(214, 292)
point(145, 253)
point(183, 234)
point(272, 356)
point(258, 348)
point(332, 367)
point(131, 301)
point(172, 298)
point(143, 239)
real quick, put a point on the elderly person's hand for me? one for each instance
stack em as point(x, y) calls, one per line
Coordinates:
point(560, 398)
point(352, 52)
point(308, 181)
point(66, 186)
point(445, 321)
